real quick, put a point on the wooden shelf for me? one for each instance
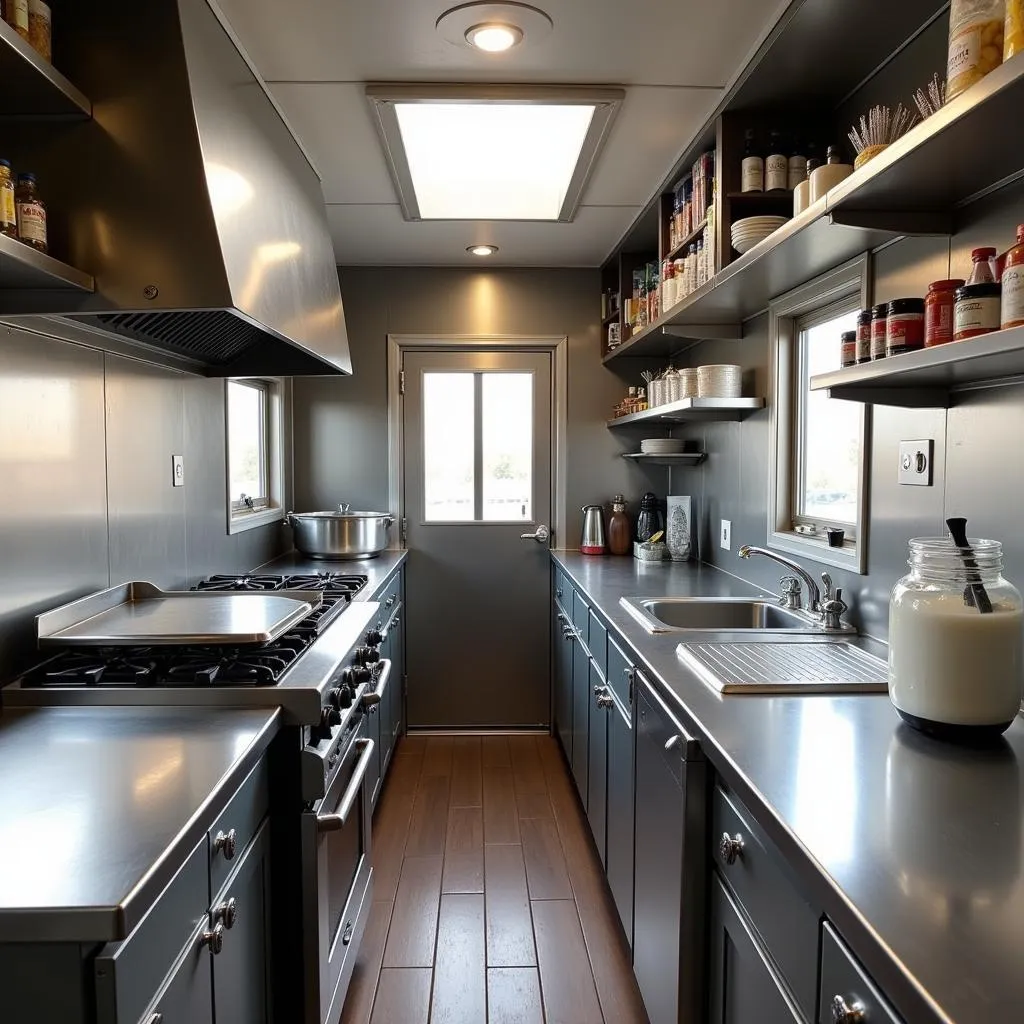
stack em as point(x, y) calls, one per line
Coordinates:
point(692, 237)
point(929, 378)
point(777, 198)
point(22, 267)
point(611, 318)
point(33, 87)
point(681, 459)
point(692, 409)
point(897, 193)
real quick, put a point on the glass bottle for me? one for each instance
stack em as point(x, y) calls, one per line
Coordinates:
point(797, 167)
point(8, 212)
point(752, 168)
point(620, 540)
point(956, 641)
point(981, 266)
point(16, 15)
point(776, 164)
point(31, 212)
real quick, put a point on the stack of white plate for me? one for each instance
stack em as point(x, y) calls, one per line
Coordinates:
point(661, 446)
point(746, 233)
point(722, 380)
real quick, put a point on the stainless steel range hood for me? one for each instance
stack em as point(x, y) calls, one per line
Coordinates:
point(188, 199)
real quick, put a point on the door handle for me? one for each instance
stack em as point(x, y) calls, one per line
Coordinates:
point(335, 822)
point(540, 536)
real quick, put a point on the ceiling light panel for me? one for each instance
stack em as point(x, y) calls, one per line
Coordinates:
point(489, 152)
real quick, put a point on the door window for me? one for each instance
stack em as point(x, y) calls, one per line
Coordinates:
point(478, 447)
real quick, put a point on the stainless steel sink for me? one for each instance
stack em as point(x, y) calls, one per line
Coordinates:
point(720, 615)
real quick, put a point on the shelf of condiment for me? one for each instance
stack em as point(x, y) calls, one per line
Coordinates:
point(898, 192)
point(692, 409)
point(33, 87)
point(928, 378)
point(22, 267)
point(678, 459)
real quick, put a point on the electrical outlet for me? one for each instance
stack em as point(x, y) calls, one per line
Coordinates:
point(177, 470)
point(915, 467)
point(726, 541)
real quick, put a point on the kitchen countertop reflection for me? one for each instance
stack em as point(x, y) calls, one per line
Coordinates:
point(913, 848)
point(100, 806)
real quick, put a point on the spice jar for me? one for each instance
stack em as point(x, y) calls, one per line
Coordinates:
point(16, 15)
point(39, 28)
point(864, 336)
point(848, 351)
point(976, 310)
point(956, 668)
point(938, 312)
point(1012, 283)
point(31, 213)
point(8, 213)
point(878, 318)
point(904, 326)
point(975, 42)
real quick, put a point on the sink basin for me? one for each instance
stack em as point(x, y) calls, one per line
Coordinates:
point(718, 614)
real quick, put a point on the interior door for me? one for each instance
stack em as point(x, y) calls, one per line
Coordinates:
point(476, 479)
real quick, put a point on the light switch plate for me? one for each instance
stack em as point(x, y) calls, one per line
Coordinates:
point(177, 470)
point(915, 467)
point(726, 541)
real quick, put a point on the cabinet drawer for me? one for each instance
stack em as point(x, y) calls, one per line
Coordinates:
point(597, 641)
point(846, 985)
point(786, 922)
point(561, 591)
point(390, 595)
point(187, 996)
point(580, 616)
point(130, 972)
point(234, 829)
point(619, 669)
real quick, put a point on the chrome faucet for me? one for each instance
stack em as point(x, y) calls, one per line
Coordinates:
point(813, 593)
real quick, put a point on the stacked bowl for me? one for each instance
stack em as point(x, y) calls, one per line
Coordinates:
point(746, 233)
point(723, 380)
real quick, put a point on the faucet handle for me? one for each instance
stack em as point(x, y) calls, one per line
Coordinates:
point(790, 588)
point(827, 581)
point(833, 609)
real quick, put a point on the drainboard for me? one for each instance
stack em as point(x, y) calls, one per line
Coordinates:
point(786, 668)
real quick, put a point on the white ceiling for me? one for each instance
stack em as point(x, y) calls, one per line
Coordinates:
point(672, 56)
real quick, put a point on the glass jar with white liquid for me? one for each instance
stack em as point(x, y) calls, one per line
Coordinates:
point(956, 670)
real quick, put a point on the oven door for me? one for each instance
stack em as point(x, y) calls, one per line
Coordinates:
point(336, 880)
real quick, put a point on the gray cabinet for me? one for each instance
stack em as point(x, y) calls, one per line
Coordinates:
point(563, 644)
point(619, 845)
point(668, 920)
point(597, 760)
point(373, 774)
point(846, 987)
point(396, 652)
point(241, 970)
point(581, 700)
point(187, 997)
point(743, 985)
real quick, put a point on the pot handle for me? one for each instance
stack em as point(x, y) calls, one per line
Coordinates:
point(389, 521)
point(287, 521)
point(344, 507)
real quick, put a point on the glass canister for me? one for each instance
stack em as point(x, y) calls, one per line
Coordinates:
point(956, 641)
point(975, 42)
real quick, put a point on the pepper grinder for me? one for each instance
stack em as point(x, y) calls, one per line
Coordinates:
point(649, 522)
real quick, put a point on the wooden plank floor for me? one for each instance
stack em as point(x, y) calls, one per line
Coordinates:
point(490, 905)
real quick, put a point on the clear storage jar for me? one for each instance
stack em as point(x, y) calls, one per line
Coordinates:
point(976, 30)
point(956, 671)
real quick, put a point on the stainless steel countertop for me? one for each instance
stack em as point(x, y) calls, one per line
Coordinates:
point(913, 848)
point(379, 569)
point(100, 806)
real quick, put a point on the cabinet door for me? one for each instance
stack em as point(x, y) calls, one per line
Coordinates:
point(373, 769)
point(619, 859)
point(384, 727)
point(241, 970)
point(563, 681)
point(597, 770)
point(743, 985)
point(581, 699)
point(396, 652)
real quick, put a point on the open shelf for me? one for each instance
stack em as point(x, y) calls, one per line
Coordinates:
point(22, 267)
point(679, 459)
point(897, 193)
point(33, 87)
point(693, 236)
point(610, 319)
point(926, 379)
point(692, 409)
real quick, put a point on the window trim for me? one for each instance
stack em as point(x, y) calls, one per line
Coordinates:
point(851, 281)
point(273, 441)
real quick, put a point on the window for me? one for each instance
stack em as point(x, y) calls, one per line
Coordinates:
point(477, 447)
point(819, 476)
point(254, 423)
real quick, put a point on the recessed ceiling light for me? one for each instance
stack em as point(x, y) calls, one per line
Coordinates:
point(482, 250)
point(494, 38)
point(492, 152)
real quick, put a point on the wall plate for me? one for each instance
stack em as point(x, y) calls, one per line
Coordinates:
point(915, 466)
point(726, 537)
point(177, 470)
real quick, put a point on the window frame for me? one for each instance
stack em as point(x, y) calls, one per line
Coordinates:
point(266, 508)
point(845, 288)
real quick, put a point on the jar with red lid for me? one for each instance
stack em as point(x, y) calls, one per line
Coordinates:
point(864, 336)
point(981, 266)
point(1013, 284)
point(976, 310)
point(938, 311)
point(848, 349)
point(878, 318)
point(904, 326)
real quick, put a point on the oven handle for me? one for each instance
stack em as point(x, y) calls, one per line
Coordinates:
point(336, 822)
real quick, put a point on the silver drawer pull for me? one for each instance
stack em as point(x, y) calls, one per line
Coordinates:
point(673, 741)
point(227, 912)
point(224, 842)
point(847, 1013)
point(155, 1018)
point(730, 847)
point(214, 939)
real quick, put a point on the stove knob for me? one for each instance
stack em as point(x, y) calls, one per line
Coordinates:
point(374, 638)
point(329, 718)
point(367, 656)
point(361, 674)
point(342, 697)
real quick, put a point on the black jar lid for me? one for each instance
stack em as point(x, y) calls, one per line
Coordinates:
point(985, 290)
point(898, 306)
point(848, 337)
point(864, 318)
point(879, 312)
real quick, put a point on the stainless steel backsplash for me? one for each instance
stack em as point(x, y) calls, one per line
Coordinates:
point(86, 501)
